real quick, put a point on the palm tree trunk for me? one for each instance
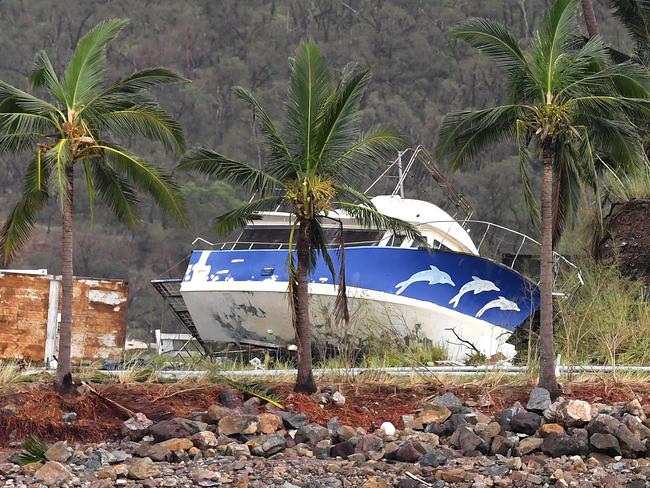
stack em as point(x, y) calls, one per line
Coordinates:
point(590, 18)
point(63, 370)
point(305, 381)
point(547, 377)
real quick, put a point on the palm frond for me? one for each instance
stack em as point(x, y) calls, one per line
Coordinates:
point(495, 41)
point(339, 125)
point(567, 190)
point(309, 87)
point(159, 186)
point(59, 158)
point(255, 389)
point(464, 134)
point(558, 35)
point(149, 121)
point(280, 163)
point(28, 103)
point(43, 74)
point(243, 215)
point(372, 147)
point(85, 73)
point(635, 16)
point(22, 218)
point(116, 193)
point(347, 193)
point(371, 218)
point(211, 163)
point(33, 451)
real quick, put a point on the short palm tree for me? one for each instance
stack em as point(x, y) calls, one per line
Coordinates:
point(308, 170)
point(568, 112)
point(71, 128)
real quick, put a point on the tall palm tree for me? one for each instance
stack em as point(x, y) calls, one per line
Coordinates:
point(308, 169)
point(72, 127)
point(590, 18)
point(567, 108)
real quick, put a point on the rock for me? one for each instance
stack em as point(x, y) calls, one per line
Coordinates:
point(631, 446)
point(251, 406)
point(574, 413)
point(293, 420)
point(556, 445)
point(636, 427)
point(338, 399)
point(8, 410)
point(215, 412)
point(605, 443)
point(141, 469)
point(375, 482)
point(548, 429)
point(204, 439)
point(525, 422)
point(345, 432)
point(407, 453)
point(333, 425)
point(342, 449)
point(581, 438)
point(177, 444)
point(59, 452)
point(204, 477)
point(236, 450)
point(273, 444)
point(238, 424)
point(504, 417)
point(136, 427)
point(465, 439)
point(539, 399)
point(53, 473)
point(156, 452)
point(170, 429)
point(324, 483)
point(449, 400)
point(322, 449)
point(69, 417)
point(634, 408)
point(231, 399)
point(408, 483)
point(268, 423)
point(30, 468)
point(487, 431)
point(106, 473)
point(311, 434)
point(528, 445)
point(433, 459)
point(369, 442)
point(388, 428)
point(456, 475)
point(434, 413)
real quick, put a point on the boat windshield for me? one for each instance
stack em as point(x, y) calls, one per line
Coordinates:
point(277, 237)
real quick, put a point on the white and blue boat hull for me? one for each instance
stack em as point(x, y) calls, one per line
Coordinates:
point(241, 296)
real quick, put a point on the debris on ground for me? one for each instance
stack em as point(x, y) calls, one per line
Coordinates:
point(441, 441)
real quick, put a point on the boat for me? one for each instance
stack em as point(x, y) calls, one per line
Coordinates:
point(440, 288)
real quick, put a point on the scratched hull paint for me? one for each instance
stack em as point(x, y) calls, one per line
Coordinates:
point(258, 313)
point(240, 296)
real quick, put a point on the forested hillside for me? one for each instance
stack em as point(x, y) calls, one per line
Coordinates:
point(419, 74)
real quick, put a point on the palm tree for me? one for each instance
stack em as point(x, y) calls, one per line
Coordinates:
point(308, 169)
point(568, 108)
point(590, 18)
point(72, 127)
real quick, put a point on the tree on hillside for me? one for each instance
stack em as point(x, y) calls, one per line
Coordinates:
point(590, 18)
point(308, 168)
point(72, 129)
point(568, 111)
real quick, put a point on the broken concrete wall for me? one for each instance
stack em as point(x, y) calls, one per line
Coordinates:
point(28, 303)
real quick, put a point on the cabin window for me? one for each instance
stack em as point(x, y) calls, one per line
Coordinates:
point(271, 237)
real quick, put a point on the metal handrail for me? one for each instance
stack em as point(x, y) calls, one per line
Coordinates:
point(489, 225)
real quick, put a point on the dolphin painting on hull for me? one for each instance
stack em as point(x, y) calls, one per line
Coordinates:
point(501, 303)
point(477, 285)
point(434, 276)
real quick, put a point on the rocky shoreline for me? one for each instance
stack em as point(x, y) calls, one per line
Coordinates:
point(445, 443)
